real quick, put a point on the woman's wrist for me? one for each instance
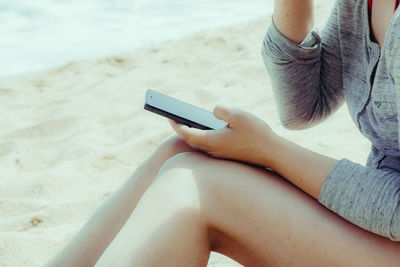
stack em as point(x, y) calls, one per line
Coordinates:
point(271, 148)
point(302, 167)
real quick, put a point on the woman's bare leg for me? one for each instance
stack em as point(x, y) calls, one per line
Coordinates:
point(93, 238)
point(255, 217)
point(167, 228)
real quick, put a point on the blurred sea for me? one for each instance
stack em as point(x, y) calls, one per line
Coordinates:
point(42, 34)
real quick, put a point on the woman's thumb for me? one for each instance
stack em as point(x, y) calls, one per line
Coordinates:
point(224, 113)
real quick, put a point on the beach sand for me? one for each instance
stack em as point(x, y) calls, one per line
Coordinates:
point(71, 136)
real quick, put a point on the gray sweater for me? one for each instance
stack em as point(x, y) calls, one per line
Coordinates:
point(312, 80)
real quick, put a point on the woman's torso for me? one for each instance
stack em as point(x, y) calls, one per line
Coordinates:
point(368, 89)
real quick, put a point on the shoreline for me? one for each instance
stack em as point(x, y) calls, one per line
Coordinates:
point(267, 17)
point(120, 51)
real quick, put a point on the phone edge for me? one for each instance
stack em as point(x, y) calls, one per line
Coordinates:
point(176, 118)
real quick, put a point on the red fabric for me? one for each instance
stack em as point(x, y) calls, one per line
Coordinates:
point(370, 5)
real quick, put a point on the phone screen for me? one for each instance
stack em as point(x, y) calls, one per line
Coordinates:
point(181, 112)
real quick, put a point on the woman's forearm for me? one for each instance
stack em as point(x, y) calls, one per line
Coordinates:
point(304, 168)
point(294, 18)
point(249, 139)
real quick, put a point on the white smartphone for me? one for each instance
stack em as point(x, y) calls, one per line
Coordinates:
point(181, 112)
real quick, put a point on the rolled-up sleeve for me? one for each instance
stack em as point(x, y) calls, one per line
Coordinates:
point(306, 78)
point(367, 197)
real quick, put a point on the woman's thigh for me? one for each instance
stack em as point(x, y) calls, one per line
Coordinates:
point(259, 219)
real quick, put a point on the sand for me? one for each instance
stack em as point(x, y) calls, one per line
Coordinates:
point(72, 135)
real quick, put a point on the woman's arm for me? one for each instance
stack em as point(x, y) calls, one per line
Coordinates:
point(306, 78)
point(294, 19)
point(367, 197)
point(251, 140)
point(304, 168)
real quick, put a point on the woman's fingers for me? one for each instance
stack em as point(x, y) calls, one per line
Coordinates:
point(223, 113)
point(194, 137)
point(233, 116)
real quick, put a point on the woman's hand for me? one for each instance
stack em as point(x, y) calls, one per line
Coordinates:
point(246, 138)
point(249, 139)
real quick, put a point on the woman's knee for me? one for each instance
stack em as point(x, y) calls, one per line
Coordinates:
point(196, 174)
point(179, 173)
point(183, 163)
point(176, 184)
point(170, 147)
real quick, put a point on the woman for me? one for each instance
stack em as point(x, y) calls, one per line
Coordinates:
point(177, 207)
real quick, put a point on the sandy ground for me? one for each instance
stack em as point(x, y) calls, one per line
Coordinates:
point(71, 136)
